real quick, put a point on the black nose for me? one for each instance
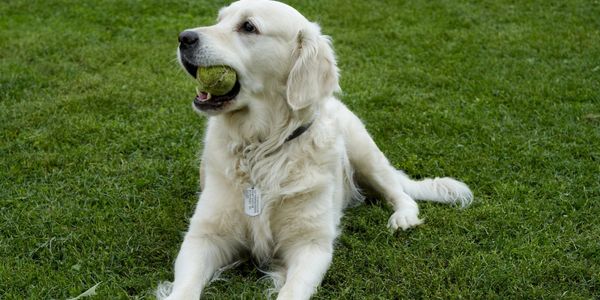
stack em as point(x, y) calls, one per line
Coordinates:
point(188, 38)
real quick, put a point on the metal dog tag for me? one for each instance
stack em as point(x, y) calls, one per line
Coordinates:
point(252, 202)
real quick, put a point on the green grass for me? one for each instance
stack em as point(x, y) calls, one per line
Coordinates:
point(98, 147)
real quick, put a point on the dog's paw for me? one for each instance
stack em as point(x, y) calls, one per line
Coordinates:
point(405, 219)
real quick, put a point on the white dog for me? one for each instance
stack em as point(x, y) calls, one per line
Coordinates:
point(281, 154)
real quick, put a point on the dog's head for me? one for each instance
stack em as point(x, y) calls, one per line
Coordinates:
point(277, 53)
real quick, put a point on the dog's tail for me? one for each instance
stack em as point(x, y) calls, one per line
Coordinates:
point(443, 190)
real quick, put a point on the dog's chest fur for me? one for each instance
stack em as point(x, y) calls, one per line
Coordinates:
point(285, 175)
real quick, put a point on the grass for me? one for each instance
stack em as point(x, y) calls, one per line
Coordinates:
point(98, 147)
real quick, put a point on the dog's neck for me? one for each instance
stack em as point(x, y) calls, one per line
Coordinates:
point(272, 121)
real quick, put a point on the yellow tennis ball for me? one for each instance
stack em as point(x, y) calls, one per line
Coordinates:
point(216, 80)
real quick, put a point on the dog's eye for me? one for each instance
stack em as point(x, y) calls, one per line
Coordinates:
point(248, 27)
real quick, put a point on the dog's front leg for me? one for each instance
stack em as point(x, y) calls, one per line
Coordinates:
point(306, 266)
point(200, 256)
point(209, 244)
point(306, 242)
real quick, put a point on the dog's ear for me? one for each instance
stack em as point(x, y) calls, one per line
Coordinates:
point(314, 73)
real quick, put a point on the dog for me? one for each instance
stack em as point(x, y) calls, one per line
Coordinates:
point(282, 154)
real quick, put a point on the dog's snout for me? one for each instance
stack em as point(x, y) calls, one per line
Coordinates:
point(188, 38)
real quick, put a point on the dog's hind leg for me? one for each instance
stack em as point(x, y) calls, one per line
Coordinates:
point(399, 190)
point(372, 167)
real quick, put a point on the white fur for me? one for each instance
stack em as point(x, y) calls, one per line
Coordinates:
point(288, 77)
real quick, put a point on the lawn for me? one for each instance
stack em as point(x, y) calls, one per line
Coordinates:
point(99, 147)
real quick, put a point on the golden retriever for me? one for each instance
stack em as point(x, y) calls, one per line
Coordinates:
point(281, 154)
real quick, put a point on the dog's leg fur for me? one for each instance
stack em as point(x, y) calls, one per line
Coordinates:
point(305, 244)
point(372, 166)
point(206, 246)
point(306, 266)
point(200, 256)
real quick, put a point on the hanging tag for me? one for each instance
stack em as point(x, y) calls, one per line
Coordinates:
point(252, 203)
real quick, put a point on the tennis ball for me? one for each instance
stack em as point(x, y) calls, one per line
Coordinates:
point(216, 80)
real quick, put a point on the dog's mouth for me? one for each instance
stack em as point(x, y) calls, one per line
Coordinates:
point(206, 101)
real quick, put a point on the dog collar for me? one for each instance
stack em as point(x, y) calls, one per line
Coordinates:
point(299, 131)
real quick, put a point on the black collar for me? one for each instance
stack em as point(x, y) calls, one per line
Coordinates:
point(299, 131)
